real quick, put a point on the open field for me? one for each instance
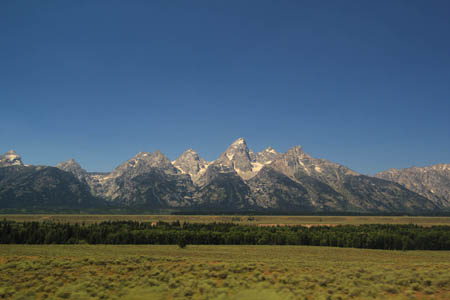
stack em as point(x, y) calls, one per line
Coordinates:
point(246, 220)
point(220, 272)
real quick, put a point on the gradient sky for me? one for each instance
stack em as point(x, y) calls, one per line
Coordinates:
point(362, 83)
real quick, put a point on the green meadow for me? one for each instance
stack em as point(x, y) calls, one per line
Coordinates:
point(220, 272)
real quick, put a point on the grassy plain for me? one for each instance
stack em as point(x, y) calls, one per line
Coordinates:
point(257, 220)
point(220, 272)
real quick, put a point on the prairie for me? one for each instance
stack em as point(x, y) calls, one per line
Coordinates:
point(220, 272)
point(245, 220)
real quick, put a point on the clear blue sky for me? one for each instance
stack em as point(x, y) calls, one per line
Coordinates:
point(362, 83)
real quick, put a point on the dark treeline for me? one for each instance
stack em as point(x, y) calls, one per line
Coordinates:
point(373, 236)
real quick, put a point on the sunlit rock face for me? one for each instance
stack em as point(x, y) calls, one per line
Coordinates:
point(237, 156)
point(432, 182)
point(191, 163)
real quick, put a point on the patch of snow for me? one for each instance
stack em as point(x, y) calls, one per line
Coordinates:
point(256, 166)
point(239, 141)
point(230, 156)
point(181, 170)
point(270, 150)
point(102, 178)
point(202, 170)
point(304, 167)
point(318, 169)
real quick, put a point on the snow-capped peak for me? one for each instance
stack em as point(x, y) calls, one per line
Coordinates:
point(11, 158)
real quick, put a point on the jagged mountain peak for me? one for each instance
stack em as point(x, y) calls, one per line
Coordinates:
point(270, 150)
point(296, 151)
point(237, 156)
point(69, 162)
point(190, 162)
point(190, 155)
point(144, 161)
point(143, 154)
point(239, 146)
point(240, 141)
point(156, 156)
point(149, 156)
point(296, 163)
point(73, 167)
point(189, 152)
point(267, 156)
point(244, 161)
point(295, 156)
point(10, 158)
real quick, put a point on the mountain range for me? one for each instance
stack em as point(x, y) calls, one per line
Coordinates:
point(239, 179)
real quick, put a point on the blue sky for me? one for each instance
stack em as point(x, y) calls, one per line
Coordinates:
point(362, 83)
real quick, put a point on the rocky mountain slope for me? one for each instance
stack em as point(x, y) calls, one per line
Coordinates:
point(191, 163)
point(240, 179)
point(73, 167)
point(43, 187)
point(432, 182)
point(24, 186)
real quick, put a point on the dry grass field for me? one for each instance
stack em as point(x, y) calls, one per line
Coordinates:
point(257, 220)
point(220, 272)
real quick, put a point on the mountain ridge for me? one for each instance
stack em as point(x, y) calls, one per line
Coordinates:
point(432, 182)
point(240, 179)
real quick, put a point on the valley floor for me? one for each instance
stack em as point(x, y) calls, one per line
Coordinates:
point(220, 272)
point(244, 220)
